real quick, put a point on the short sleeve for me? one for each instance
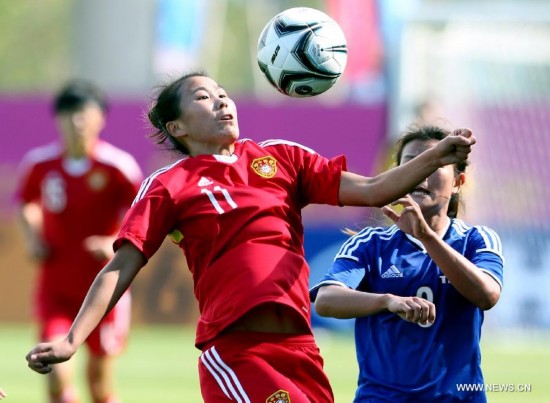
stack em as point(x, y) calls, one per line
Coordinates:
point(127, 188)
point(349, 267)
point(128, 172)
point(149, 220)
point(28, 188)
point(344, 273)
point(28, 175)
point(320, 177)
point(485, 251)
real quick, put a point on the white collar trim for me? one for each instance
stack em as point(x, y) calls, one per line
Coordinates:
point(226, 158)
point(77, 167)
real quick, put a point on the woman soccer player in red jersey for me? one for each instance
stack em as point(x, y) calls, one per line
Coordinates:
point(234, 208)
point(73, 194)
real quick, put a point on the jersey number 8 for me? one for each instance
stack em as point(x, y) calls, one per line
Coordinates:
point(426, 293)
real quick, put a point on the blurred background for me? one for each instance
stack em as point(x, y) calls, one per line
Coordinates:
point(478, 64)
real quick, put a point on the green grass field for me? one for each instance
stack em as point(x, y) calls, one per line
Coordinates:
point(160, 366)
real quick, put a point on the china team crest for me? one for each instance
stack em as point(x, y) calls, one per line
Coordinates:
point(266, 167)
point(281, 396)
point(97, 180)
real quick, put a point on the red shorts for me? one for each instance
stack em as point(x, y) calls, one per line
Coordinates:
point(263, 367)
point(108, 338)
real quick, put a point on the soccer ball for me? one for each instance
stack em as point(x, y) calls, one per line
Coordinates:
point(302, 52)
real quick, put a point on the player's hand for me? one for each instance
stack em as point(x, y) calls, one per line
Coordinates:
point(455, 148)
point(413, 309)
point(101, 247)
point(2, 394)
point(37, 249)
point(410, 220)
point(44, 355)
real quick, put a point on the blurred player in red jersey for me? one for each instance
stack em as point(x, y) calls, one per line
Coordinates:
point(73, 195)
point(234, 208)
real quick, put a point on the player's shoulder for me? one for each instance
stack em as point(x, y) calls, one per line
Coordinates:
point(479, 233)
point(168, 173)
point(163, 178)
point(111, 155)
point(365, 238)
point(462, 228)
point(369, 233)
point(277, 144)
point(41, 154)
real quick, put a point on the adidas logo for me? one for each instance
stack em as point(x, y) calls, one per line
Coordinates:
point(392, 272)
point(204, 182)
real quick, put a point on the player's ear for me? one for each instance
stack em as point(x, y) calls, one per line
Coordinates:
point(176, 128)
point(460, 179)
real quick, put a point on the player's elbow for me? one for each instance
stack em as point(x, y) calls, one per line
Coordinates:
point(488, 299)
point(322, 308)
point(356, 190)
point(324, 305)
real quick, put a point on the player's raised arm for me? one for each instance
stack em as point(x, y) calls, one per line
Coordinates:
point(357, 190)
point(107, 288)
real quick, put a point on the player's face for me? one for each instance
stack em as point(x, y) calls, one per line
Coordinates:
point(208, 123)
point(433, 194)
point(81, 128)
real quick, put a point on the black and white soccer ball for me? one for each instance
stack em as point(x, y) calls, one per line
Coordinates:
point(302, 52)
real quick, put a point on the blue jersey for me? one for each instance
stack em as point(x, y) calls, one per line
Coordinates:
point(403, 361)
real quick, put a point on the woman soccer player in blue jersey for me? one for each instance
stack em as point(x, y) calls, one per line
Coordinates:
point(418, 289)
point(233, 206)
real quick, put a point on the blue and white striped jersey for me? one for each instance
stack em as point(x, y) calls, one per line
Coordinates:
point(404, 361)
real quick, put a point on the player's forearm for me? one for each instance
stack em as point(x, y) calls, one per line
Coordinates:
point(475, 285)
point(389, 185)
point(103, 294)
point(31, 219)
point(107, 288)
point(30, 216)
point(403, 179)
point(342, 303)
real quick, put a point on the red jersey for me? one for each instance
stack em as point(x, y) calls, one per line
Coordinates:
point(238, 221)
point(79, 198)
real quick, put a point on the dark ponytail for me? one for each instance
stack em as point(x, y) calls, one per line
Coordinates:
point(166, 108)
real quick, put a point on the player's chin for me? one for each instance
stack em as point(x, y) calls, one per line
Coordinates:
point(425, 203)
point(420, 199)
point(232, 133)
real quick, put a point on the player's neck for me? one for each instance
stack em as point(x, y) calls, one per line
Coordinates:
point(77, 151)
point(438, 223)
point(225, 150)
